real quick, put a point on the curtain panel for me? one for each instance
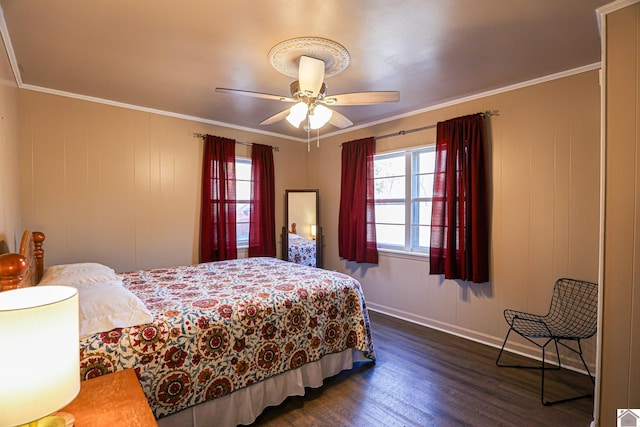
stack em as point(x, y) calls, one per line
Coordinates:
point(460, 214)
point(218, 215)
point(356, 220)
point(262, 221)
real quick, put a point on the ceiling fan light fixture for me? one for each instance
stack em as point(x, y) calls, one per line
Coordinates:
point(297, 114)
point(319, 116)
point(311, 60)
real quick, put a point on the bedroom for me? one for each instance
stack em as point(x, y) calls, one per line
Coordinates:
point(546, 136)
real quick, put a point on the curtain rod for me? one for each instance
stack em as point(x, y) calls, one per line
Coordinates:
point(404, 132)
point(249, 144)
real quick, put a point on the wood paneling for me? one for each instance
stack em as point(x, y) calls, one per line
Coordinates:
point(620, 320)
point(10, 221)
point(544, 150)
point(120, 186)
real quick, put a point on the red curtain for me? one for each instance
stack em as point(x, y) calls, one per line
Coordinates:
point(356, 221)
point(218, 216)
point(262, 219)
point(460, 215)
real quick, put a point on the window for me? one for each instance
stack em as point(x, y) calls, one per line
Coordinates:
point(243, 200)
point(403, 186)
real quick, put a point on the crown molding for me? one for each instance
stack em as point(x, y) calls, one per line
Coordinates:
point(6, 38)
point(616, 5)
point(540, 80)
point(152, 110)
point(562, 74)
point(16, 71)
point(611, 7)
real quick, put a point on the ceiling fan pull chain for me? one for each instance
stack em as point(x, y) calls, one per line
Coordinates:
point(318, 139)
point(308, 131)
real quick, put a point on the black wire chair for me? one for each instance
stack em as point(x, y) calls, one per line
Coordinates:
point(572, 316)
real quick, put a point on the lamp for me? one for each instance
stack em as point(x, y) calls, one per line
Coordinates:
point(313, 231)
point(40, 357)
point(319, 116)
point(297, 113)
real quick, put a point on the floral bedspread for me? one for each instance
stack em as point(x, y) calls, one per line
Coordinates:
point(303, 251)
point(222, 326)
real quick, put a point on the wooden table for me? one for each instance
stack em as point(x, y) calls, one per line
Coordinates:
point(111, 400)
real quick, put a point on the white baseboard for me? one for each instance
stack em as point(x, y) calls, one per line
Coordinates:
point(530, 352)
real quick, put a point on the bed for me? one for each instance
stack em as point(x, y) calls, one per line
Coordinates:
point(301, 250)
point(212, 343)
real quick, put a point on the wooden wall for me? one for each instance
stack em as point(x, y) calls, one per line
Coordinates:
point(620, 318)
point(10, 225)
point(544, 147)
point(120, 186)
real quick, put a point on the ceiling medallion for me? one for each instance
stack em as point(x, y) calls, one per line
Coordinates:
point(284, 56)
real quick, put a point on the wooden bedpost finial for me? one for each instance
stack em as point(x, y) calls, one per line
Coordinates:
point(12, 268)
point(38, 254)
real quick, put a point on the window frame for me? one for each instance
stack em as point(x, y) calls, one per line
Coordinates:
point(243, 243)
point(410, 201)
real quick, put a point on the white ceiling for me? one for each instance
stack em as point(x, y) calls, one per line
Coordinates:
point(170, 55)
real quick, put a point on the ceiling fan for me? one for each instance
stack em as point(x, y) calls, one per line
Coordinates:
point(310, 99)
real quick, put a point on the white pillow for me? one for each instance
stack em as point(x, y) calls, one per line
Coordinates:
point(108, 305)
point(71, 274)
point(293, 236)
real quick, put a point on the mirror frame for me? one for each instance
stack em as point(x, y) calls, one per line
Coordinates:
point(285, 229)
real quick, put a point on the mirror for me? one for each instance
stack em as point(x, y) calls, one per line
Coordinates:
point(302, 233)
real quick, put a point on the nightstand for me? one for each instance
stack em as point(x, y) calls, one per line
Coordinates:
point(111, 400)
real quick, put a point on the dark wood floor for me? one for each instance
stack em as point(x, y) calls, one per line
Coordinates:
point(423, 377)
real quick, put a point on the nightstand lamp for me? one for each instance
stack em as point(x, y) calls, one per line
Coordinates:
point(40, 357)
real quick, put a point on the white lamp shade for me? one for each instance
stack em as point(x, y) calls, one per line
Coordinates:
point(321, 115)
point(40, 357)
point(297, 114)
point(313, 231)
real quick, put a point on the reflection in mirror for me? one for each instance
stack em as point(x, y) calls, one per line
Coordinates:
point(302, 234)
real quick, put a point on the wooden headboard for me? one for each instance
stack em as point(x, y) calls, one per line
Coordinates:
point(24, 268)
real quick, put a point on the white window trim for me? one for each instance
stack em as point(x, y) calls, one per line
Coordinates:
point(403, 254)
point(243, 244)
point(394, 251)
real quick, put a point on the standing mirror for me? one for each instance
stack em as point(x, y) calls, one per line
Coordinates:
point(302, 233)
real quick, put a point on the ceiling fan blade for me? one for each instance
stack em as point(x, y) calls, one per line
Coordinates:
point(362, 98)
point(340, 121)
point(276, 117)
point(255, 94)
point(310, 75)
